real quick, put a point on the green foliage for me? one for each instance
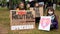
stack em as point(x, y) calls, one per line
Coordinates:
point(16, 1)
point(4, 1)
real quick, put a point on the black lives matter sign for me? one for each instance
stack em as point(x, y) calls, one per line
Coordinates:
point(22, 19)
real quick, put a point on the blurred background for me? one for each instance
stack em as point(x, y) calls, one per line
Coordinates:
point(12, 4)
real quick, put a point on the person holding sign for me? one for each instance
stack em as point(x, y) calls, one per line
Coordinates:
point(21, 6)
point(20, 10)
point(37, 13)
point(54, 21)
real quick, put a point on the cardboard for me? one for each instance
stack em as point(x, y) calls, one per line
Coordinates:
point(22, 19)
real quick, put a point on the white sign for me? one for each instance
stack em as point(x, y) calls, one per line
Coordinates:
point(22, 27)
point(45, 22)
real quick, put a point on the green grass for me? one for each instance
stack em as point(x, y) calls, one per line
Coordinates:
point(58, 8)
point(5, 23)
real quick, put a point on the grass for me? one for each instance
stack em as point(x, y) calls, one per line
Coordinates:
point(58, 8)
point(5, 23)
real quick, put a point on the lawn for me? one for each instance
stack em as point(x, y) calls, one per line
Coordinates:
point(5, 25)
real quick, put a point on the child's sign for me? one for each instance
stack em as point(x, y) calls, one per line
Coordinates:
point(45, 22)
point(22, 19)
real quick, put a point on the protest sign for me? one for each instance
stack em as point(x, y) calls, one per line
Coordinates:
point(21, 20)
point(45, 22)
point(38, 11)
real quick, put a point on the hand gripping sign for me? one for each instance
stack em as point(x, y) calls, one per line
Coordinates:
point(45, 23)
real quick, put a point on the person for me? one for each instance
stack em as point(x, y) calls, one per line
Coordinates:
point(19, 10)
point(21, 6)
point(28, 7)
point(42, 3)
point(54, 4)
point(37, 13)
point(54, 21)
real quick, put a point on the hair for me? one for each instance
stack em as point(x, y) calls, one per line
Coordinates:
point(50, 8)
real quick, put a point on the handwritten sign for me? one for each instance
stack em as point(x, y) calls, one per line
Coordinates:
point(38, 11)
point(21, 20)
point(45, 23)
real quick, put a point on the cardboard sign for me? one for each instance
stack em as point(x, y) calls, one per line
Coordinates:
point(45, 23)
point(22, 19)
point(38, 11)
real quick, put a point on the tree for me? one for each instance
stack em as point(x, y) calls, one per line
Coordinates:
point(4, 3)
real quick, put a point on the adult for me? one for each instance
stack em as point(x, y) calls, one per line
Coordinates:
point(54, 4)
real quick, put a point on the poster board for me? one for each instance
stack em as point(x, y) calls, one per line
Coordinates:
point(38, 11)
point(41, 9)
point(45, 23)
point(22, 20)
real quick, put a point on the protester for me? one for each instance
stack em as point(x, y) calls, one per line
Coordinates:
point(54, 21)
point(21, 6)
point(37, 13)
point(28, 7)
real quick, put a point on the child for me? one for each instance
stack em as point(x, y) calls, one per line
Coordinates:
point(54, 21)
point(37, 13)
point(28, 6)
point(21, 6)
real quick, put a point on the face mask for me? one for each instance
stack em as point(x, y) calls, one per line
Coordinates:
point(50, 13)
